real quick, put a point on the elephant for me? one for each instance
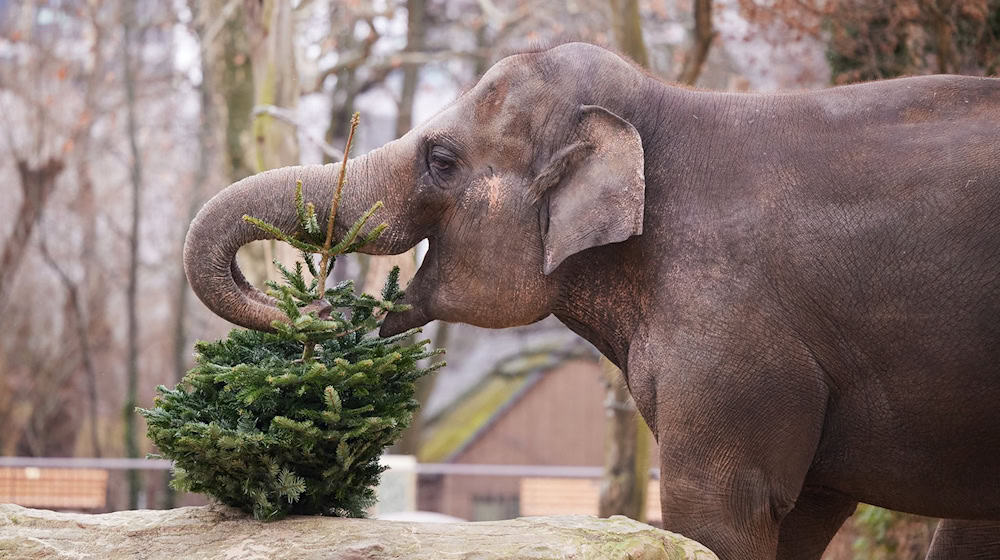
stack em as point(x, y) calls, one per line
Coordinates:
point(802, 289)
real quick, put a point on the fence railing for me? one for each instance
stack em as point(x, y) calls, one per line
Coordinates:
point(469, 469)
point(98, 484)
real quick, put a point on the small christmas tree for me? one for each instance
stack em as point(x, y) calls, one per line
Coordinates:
point(295, 421)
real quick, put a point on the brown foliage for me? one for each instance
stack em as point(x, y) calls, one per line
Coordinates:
point(876, 39)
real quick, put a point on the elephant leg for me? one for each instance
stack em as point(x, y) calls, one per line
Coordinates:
point(735, 447)
point(808, 528)
point(965, 540)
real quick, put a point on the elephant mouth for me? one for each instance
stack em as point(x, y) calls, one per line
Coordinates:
point(398, 322)
point(418, 297)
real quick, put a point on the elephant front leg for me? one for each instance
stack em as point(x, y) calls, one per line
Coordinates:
point(737, 437)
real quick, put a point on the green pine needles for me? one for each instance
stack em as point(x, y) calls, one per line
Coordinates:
point(294, 422)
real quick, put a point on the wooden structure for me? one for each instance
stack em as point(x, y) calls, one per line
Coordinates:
point(74, 489)
point(567, 496)
point(541, 409)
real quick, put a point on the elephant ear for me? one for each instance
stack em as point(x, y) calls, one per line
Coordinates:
point(592, 192)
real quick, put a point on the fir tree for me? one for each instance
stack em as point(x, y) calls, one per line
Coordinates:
point(295, 421)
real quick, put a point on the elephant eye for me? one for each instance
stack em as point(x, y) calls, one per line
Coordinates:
point(442, 162)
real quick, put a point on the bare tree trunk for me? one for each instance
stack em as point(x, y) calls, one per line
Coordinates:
point(411, 72)
point(90, 295)
point(272, 55)
point(626, 464)
point(229, 52)
point(342, 23)
point(704, 34)
point(341, 111)
point(36, 184)
point(91, 328)
point(270, 32)
point(78, 323)
point(626, 448)
point(628, 30)
point(206, 152)
point(379, 266)
point(940, 12)
point(409, 441)
point(230, 58)
point(132, 327)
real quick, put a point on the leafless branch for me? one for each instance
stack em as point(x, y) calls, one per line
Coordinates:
point(79, 322)
point(217, 24)
point(287, 116)
point(391, 62)
point(36, 184)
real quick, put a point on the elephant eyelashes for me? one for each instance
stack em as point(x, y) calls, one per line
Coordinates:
point(442, 162)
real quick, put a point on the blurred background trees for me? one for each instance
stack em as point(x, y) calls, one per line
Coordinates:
point(119, 118)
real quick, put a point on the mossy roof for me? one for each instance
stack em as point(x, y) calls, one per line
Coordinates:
point(452, 431)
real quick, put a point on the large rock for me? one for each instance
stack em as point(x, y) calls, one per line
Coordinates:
point(192, 533)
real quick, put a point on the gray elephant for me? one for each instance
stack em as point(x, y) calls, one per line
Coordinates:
point(802, 289)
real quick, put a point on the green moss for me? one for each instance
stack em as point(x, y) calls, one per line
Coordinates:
point(263, 124)
point(452, 430)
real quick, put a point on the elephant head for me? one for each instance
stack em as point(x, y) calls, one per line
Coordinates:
point(519, 174)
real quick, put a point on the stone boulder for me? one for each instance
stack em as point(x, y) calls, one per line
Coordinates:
point(193, 533)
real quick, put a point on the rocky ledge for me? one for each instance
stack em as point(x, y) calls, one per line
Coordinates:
point(192, 533)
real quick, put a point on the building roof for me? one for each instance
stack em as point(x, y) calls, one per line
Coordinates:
point(454, 429)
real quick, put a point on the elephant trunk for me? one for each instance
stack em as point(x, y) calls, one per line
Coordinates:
point(219, 230)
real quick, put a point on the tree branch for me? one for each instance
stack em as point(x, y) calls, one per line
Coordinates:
point(79, 322)
point(288, 117)
point(394, 61)
point(217, 24)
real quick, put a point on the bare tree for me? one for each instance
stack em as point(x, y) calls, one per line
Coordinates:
point(130, 47)
point(702, 37)
point(414, 43)
point(270, 35)
point(626, 443)
point(77, 318)
point(37, 182)
point(58, 115)
point(628, 30)
point(379, 267)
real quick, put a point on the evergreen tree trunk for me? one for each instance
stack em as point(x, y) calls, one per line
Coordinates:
point(132, 325)
point(626, 445)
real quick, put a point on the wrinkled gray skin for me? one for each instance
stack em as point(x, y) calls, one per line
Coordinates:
point(803, 289)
